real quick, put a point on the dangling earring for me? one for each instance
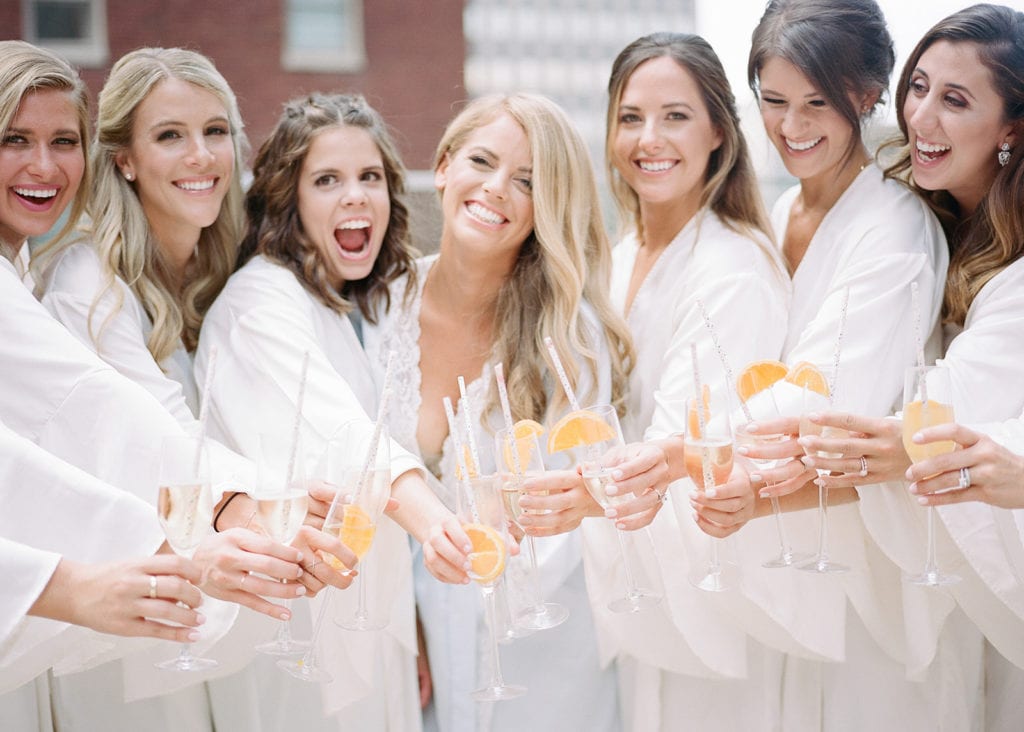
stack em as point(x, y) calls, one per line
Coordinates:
point(1004, 154)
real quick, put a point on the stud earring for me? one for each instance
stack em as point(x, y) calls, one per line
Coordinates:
point(129, 177)
point(1004, 154)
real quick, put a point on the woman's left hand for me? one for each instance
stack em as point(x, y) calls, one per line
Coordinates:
point(871, 450)
point(983, 470)
point(731, 507)
point(555, 502)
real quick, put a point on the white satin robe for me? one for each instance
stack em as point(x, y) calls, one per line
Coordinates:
point(689, 661)
point(903, 647)
point(262, 323)
point(567, 687)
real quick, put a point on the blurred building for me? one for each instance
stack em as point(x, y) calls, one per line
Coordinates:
point(405, 56)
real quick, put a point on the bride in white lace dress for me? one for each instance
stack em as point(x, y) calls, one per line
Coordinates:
point(522, 255)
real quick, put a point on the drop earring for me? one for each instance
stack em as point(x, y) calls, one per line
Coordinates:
point(1004, 154)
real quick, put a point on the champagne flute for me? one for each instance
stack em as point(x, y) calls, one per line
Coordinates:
point(708, 459)
point(185, 509)
point(282, 500)
point(479, 510)
point(813, 401)
point(367, 487)
point(927, 402)
point(603, 436)
point(527, 461)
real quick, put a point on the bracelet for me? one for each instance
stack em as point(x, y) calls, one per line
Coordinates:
point(226, 504)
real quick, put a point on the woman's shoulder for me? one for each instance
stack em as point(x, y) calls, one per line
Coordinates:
point(729, 250)
point(76, 270)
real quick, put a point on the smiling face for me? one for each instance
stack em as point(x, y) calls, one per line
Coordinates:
point(486, 189)
point(811, 136)
point(955, 123)
point(181, 158)
point(41, 165)
point(663, 135)
point(343, 201)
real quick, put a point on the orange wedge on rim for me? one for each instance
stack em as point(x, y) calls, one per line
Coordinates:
point(522, 431)
point(806, 375)
point(577, 428)
point(467, 456)
point(487, 556)
point(758, 376)
point(693, 418)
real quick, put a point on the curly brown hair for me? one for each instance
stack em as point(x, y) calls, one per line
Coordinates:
point(272, 204)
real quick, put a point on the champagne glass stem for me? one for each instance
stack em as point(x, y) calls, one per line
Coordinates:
point(823, 527)
point(631, 586)
point(931, 567)
point(309, 659)
point(284, 630)
point(534, 574)
point(780, 528)
point(496, 680)
point(714, 563)
point(361, 609)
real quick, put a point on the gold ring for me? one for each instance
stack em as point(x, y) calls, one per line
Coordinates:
point(152, 587)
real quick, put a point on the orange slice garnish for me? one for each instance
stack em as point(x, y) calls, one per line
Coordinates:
point(471, 467)
point(807, 376)
point(522, 431)
point(578, 428)
point(487, 557)
point(758, 376)
point(692, 418)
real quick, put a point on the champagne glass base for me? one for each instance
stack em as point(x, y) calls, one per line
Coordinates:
point(188, 663)
point(634, 602)
point(288, 648)
point(542, 616)
point(821, 565)
point(513, 632)
point(362, 624)
point(932, 578)
point(722, 578)
point(786, 559)
point(301, 671)
point(498, 693)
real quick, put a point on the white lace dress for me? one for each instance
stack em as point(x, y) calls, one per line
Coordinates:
point(568, 688)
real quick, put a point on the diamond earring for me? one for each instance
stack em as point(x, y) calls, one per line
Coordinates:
point(1004, 154)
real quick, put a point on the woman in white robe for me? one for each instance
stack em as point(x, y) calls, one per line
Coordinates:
point(522, 256)
point(328, 232)
point(698, 232)
point(969, 168)
point(819, 69)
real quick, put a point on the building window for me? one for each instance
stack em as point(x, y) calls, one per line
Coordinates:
point(323, 35)
point(75, 29)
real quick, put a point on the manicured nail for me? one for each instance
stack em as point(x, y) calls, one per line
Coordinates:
point(918, 438)
point(620, 525)
point(694, 494)
point(808, 461)
point(200, 618)
point(804, 442)
point(711, 492)
point(814, 416)
point(299, 559)
point(765, 494)
point(753, 427)
point(611, 489)
point(193, 636)
point(610, 513)
point(756, 478)
point(696, 518)
point(284, 615)
point(300, 591)
point(616, 474)
point(743, 450)
point(923, 500)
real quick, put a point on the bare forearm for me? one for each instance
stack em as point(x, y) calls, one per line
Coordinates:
point(806, 497)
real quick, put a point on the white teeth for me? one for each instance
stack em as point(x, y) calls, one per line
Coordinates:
point(198, 185)
point(801, 146)
point(655, 167)
point(931, 148)
point(355, 224)
point(36, 192)
point(484, 214)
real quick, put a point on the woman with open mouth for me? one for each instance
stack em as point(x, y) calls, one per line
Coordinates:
point(327, 235)
point(960, 108)
point(855, 242)
point(523, 255)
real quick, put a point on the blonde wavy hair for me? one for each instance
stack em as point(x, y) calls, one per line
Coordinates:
point(272, 204)
point(117, 224)
point(985, 243)
point(564, 262)
point(730, 186)
point(24, 69)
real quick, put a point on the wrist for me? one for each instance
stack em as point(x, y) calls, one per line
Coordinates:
point(236, 510)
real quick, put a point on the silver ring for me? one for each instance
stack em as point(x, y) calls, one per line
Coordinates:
point(313, 566)
point(245, 576)
point(863, 467)
point(152, 587)
point(965, 478)
point(662, 495)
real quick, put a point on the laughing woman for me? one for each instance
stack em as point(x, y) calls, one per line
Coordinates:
point(327, 236)
point(522, 255)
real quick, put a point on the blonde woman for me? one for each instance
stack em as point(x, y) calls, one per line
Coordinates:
point(522, 255)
